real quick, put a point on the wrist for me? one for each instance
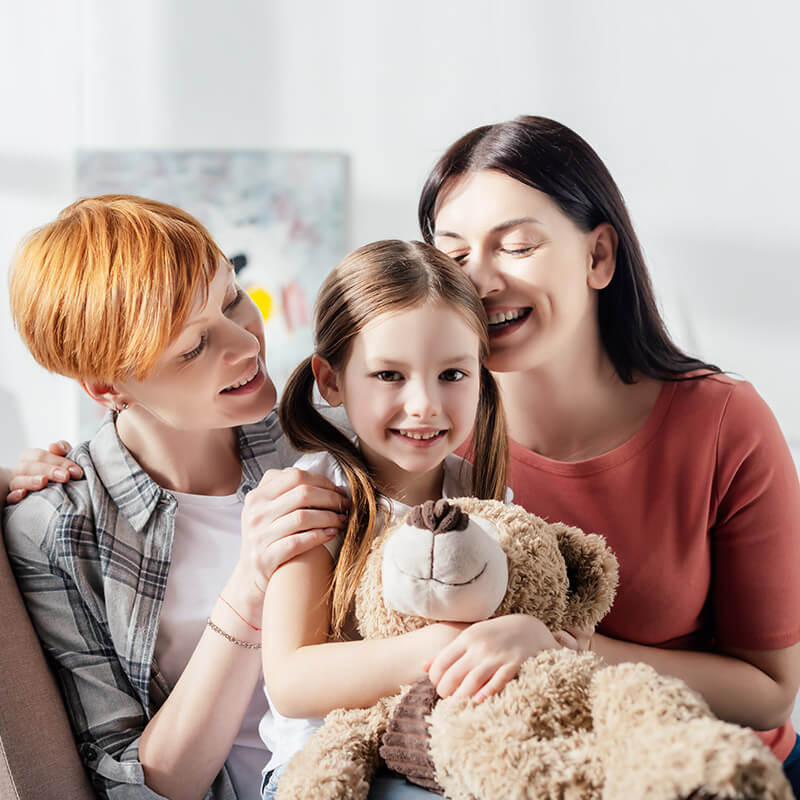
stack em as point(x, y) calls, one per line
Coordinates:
point(244, 595)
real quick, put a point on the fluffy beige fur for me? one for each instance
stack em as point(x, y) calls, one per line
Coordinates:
point(568, 727)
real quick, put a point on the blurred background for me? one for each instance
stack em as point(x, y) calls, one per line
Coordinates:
point(692, 105)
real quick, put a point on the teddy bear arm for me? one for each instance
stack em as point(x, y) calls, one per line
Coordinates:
point(658, 739)
point(339, 760)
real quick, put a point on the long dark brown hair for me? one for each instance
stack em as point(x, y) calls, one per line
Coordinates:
point(375, 279)
point(552, 158)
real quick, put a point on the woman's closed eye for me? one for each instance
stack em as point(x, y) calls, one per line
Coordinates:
point(236, 300)
point(195, 351)
point(518, 251)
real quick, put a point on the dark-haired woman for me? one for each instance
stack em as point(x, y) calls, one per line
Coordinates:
point(614, 429)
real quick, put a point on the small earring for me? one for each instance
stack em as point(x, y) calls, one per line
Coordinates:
point(120, 410)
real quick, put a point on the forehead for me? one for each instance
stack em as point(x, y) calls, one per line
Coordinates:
point(218, 284)
point(488, 198)
point(433, 330)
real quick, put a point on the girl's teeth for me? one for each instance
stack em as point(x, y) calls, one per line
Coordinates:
point(418, 435)
point(505, 316)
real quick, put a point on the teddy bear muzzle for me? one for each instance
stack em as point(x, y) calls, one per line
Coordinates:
point(455, 574)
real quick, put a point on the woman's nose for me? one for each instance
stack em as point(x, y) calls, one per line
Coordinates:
point(485, 274)
point(240, 343)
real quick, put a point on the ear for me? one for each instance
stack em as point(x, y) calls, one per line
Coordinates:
point(602, 259)
point(593, 574)
point(105, 394)
point(327, 379)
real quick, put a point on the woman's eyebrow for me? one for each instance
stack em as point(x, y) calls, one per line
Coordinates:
point(499, 228)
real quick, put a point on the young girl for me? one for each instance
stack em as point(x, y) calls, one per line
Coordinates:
point(400, 341)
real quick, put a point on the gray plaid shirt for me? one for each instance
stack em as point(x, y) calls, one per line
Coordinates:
point(92, 558)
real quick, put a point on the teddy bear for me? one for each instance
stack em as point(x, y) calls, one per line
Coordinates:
point(568, 727)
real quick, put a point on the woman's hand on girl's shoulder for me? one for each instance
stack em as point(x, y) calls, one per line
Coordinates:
point(290, 512)
point(488, 654)
point(36, 468)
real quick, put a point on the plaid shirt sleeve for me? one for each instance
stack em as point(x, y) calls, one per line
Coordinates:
point(55, 554)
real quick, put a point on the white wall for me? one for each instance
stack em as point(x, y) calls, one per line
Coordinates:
point(692, 105)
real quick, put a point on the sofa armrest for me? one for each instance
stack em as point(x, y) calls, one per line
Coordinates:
point(38, 757)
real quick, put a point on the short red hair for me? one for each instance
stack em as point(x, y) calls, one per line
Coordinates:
point(98, 293)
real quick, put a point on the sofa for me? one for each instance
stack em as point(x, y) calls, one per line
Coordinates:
point(38, 758)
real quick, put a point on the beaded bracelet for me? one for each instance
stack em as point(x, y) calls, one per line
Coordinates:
point(233, 639)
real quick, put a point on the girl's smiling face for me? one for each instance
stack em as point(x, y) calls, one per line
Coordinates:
point(536, 271)
point(410, 388)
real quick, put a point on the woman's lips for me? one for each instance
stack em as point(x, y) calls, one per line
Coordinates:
point(253, 385)
point(498, 330)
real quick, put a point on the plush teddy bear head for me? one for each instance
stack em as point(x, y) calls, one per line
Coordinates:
point(467, 559)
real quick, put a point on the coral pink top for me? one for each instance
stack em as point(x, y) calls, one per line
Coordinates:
point(702, 509)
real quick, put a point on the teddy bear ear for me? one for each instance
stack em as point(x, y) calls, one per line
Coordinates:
point(593, 574)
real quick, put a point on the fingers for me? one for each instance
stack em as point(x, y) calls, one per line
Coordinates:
point(60, 448)
point(307, 496)
point(28, 483)
point(40, 463)
point(500, 678)
point(277, 482)
point(443, 662)
point(303, 520)
point(15, 496)
point(566, 639)
point(291, 546)
point(470, 683)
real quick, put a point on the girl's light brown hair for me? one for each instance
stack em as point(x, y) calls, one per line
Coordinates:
point(99, 292)
point(386, 276)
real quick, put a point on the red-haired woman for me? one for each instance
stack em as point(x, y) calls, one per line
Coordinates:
point(145, 580)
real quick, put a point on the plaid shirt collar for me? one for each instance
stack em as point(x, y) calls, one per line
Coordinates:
point(136, 494)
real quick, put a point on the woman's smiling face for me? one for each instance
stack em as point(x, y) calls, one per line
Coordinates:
point(212, 374)
point(536, 271)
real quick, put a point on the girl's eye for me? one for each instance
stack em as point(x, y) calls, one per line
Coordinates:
point(388, 375)
point(197, 350)
point(236, 300)
point(459, 258)
point(452, 375)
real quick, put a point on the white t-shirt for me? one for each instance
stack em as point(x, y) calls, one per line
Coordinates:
point(284, 736)
point(205, 550)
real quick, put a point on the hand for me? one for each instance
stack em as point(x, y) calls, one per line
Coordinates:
point(488, 654)
point(288, 513)
point(579, 639)
point(35, 468)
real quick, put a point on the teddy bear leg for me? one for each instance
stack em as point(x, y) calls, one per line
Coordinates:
point(340, 759)
point(531, 740)
point(658, 739)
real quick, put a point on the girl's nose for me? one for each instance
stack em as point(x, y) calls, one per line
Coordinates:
point(422, 402)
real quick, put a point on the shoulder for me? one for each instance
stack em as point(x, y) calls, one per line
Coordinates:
point(731, 405)
point(323, 463)
point(38, 521)
point(264, 445)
